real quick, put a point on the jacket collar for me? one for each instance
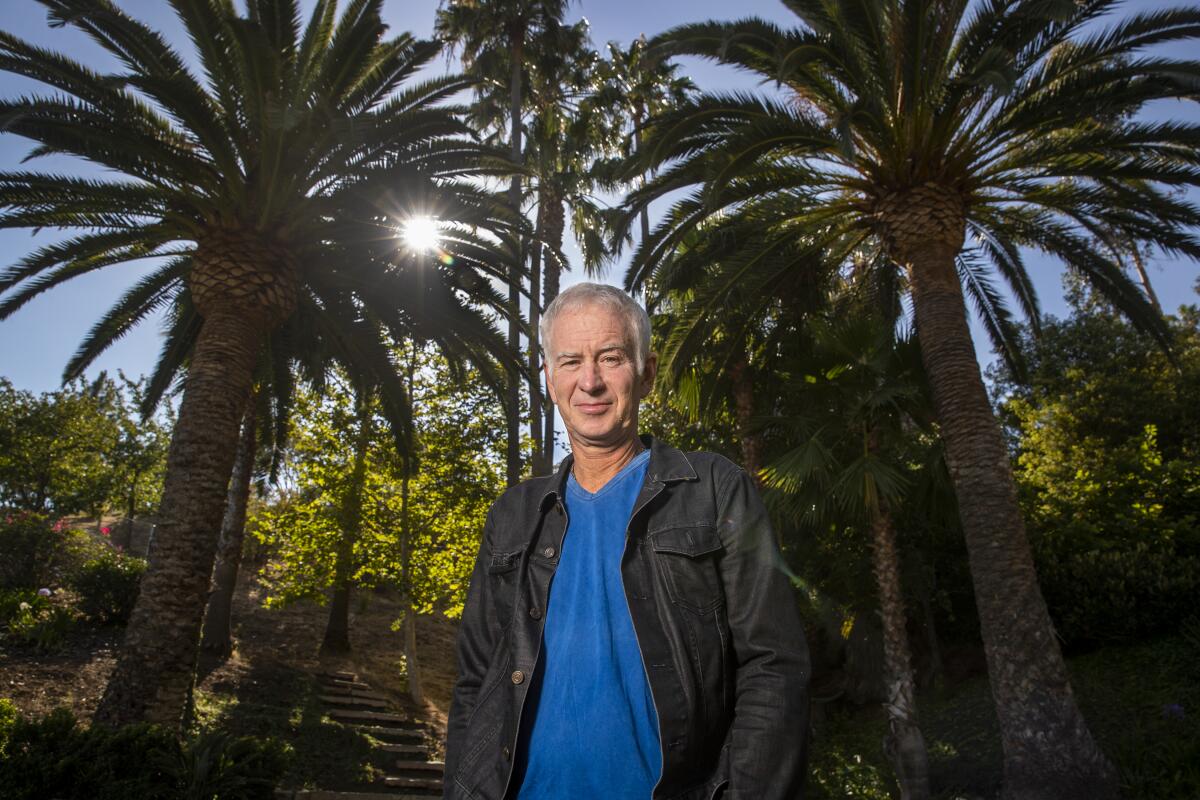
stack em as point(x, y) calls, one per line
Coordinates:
point(667, 465)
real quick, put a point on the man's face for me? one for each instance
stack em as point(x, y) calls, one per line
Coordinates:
point(594, 380)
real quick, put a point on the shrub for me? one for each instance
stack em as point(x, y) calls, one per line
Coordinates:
point(35, 551)
point(31, 620)
point(8, 718)
point(1117, 593)
point(108, 586)
point(56, 757)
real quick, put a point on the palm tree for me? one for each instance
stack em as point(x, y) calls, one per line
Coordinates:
point(572, 126)
point(252, 182)
point(646, 85)
point(853, 389)
point(933, 133)
point(495, 37)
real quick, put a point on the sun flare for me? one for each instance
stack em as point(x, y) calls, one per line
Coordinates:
point(421, 234)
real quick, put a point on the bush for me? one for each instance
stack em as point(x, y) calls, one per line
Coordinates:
point(36, 551)
point(108, 586)
point(55, 757)
point(29, 619)
point(8, 718)
point(1117, 593)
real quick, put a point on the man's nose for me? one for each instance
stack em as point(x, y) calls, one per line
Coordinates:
point(590, 379)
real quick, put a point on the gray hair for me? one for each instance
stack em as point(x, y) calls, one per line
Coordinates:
point(637, 321)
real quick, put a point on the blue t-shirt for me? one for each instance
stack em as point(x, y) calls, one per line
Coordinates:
point(589, 728)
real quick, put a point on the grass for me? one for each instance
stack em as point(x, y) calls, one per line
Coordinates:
point(1142, 702)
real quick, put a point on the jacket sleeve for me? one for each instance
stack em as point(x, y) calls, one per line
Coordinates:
point(476, 643)
point(768, 738)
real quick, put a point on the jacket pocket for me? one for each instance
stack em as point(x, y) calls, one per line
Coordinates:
point(687, 558)
point(502, 575)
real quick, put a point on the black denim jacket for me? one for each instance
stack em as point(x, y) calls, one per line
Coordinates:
point(715, 618)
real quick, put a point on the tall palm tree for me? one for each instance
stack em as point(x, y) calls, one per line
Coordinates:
point(495, 37)
point(571, 127)
point(934, 133)
point(252, 180)
point(646, 85)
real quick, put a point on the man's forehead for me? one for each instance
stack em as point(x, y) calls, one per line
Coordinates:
point(598, 327)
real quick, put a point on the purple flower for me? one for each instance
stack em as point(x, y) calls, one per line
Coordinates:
point(44, 592)
point(1173, 711)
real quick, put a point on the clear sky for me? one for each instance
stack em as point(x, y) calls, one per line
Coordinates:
point(37, 341)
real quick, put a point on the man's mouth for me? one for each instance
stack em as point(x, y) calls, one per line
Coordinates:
point(592, 408)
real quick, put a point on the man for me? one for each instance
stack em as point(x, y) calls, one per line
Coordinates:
point(629, 631)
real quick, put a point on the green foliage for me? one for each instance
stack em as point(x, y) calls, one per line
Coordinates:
point(425, 547)
point(1108, 468)
point(108, 586)
point(56, 757)
point(31, 620)
point(8, 719)
point(217, 766)
point(35, 551)
point(80, 449)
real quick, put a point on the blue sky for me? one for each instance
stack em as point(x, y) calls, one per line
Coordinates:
point(37, 341)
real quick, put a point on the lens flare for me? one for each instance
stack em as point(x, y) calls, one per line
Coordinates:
point(421, 234)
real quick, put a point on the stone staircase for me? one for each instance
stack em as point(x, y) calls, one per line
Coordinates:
point(412, 774)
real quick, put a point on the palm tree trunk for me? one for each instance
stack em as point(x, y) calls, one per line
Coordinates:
point(217, 636)
point(904, 744)
point(749, 440)
point(538, 462)
point(337, 629)
point(1048, 750)
point(156, 665)
point(513, 413)
point(555, 226)
point(637, 147)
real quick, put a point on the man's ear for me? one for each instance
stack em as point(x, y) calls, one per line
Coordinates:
point(648, 375)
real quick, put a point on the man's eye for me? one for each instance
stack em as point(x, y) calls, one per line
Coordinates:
point(611, 359)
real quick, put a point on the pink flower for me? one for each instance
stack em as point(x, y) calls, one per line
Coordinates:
point(105, 531)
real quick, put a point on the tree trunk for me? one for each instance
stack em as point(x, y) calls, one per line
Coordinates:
point(904, 744)
point(637, 146)
point(513, 414)
point(536, 401)
point(555, 226)
point(123, 535)
point(217, 635)
point(337, 630)
point(1048, 750)
point(412, 666)
point(1144, 276)
point(156, 665)
point(749, 440)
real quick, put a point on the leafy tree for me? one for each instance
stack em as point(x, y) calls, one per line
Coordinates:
point(1107, 447)
point(252, 180)
point(938, 136)
point(349, 496)
point(58, 450)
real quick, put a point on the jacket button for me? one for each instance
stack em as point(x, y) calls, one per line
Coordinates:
point(504, 751)
point(548, 552)
point(535, 612)
point(518, 677)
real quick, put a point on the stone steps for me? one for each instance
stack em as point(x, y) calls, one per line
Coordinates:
point(354, 703)
point(323, 794)
point(351, 700)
